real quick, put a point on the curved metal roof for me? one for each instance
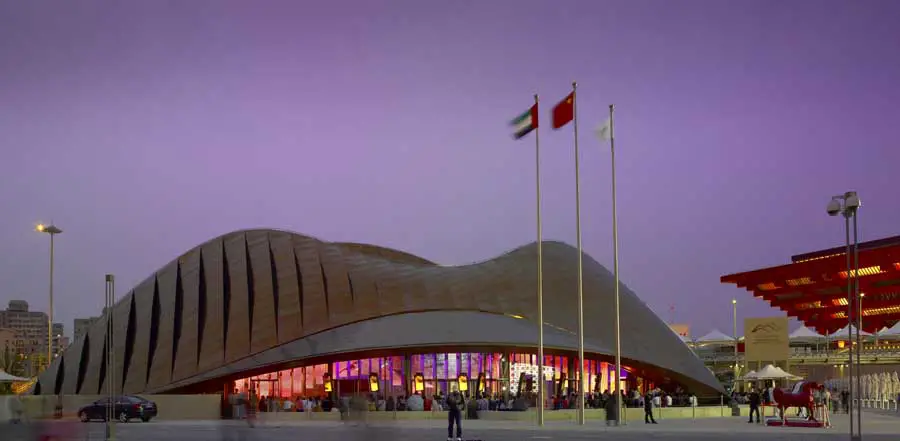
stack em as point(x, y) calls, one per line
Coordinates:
point(220, 308)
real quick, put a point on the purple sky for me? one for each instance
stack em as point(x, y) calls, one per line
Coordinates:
point(143, 128)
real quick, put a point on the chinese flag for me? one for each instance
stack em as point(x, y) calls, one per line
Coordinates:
point(564, 112)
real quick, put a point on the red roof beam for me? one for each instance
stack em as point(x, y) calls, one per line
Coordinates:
point(836, 294)
point(891, 301)
point(814, 269)
point(825, 276)
point(869, 277)
point(842, 250)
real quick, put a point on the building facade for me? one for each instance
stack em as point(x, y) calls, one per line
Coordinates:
point(8, 340)
point(250, 305)
point(30, 330)
point(82, 325)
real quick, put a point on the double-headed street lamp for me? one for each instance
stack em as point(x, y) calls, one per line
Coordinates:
point(848, 205)
point(52, 230)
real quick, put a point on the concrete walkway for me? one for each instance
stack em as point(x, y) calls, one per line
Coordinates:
point(876, 428)
point(873, 423)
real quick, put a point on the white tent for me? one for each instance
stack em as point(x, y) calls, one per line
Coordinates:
point(841, 334)
point(787, 375)
point(716, 337)
point(750, 375)
point(804, 334)
point(892, 333)
point(770, 372)
point(7, 378)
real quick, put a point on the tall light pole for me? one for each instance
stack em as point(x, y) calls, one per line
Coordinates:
point(848, 205)
point(734, 328)
point(52, 230)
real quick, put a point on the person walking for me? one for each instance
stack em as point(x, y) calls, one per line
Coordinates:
point(754, 399)
point(826, 412)
point(454, 415)
point(648, 409)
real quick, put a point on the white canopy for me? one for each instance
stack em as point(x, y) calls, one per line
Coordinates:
point(842, 333)
point(770, 372)
point(7, 378)
point(715, 336)
point(750, 375)
point(787, 375)
point(805, 334)
point(891, 333)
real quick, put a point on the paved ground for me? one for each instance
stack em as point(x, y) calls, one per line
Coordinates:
point(877, 427)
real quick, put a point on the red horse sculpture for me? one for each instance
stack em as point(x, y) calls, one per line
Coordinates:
point(801, 396)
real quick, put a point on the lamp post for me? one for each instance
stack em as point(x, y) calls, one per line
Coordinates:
point(848, 205)
point(734, 329)
point(52, 230)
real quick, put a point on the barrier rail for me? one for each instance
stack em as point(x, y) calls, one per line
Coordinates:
point(824, 357)
point(881, 404)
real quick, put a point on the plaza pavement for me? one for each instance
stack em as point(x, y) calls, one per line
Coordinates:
point(877, 427)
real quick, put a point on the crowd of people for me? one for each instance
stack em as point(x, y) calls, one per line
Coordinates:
point(243, 405)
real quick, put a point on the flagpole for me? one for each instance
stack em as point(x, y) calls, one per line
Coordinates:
point(580, 272)
point(612, 149)
point(540, 275)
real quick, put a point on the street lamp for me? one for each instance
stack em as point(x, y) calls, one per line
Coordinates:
point(52, 230)
point(848, 205)
point(735, 333)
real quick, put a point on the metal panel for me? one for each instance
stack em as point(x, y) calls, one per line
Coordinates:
point(264, 334)
point(237, 344)
point(365, 290)
point(289, 313)
point(315, 304)
point(97, 339)
point(72, 355)
point(120, 330)
point(161, 364)
point(212, 346)
point(334, 270)
point(136, 377)
point(185, 363)
point(47, 378)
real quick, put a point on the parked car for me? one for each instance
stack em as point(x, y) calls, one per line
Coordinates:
point(127, 407)
point(148, 407)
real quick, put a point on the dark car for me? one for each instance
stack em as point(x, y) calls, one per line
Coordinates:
point(126, 408)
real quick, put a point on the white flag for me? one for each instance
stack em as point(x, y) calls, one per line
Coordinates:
point(604, 130)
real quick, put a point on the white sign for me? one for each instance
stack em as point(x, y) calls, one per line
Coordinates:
point(517, 369)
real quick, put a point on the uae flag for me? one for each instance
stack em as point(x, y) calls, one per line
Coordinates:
point(525, 122)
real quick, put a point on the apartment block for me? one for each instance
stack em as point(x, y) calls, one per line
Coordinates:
point(82, 325)
point(30, 329)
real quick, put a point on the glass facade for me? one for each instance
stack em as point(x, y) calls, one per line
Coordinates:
point(394, 375)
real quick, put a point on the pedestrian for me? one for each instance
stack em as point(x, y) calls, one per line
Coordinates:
point(612, 411)
point(754, 399)
point(648, 409)
point(454, 415)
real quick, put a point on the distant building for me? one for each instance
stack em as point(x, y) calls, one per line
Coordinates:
point(30, 334)
point(62, 342)
point(82, 325)
point(7, 339)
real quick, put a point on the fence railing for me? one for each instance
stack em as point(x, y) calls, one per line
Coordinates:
point(866, 355)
